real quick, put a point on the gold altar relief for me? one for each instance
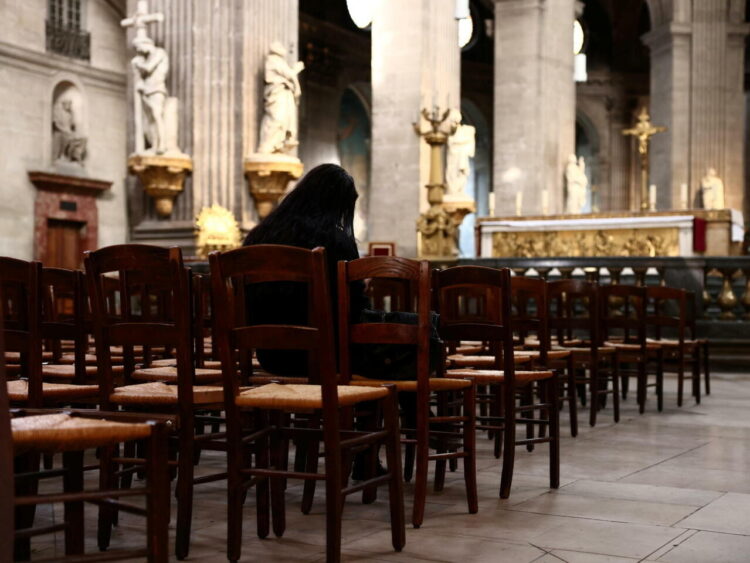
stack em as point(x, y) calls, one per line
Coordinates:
point(609, 242)
point(217, 230)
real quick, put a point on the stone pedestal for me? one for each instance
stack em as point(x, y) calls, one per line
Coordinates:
point(268, 175)
point(457, 209)
point(162, 177)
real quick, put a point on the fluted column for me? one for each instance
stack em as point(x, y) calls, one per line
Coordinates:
point(534, 102)
point(415, 64)
point(697, 70)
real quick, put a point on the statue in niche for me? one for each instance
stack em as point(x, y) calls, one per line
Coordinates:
point(69, 145)
point(278, 128)
point(151, 65)
point(461, 148)
point(576, 183)
point(712, 190)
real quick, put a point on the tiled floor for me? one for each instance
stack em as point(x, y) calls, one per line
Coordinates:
point(671, 487)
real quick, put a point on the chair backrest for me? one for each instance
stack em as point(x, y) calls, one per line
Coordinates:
point(7, 526)
point(20, 282)
point(233, 272)
point(573, 307)
point(474, 303)
point(622, 311)
point(529, 312)
point(151, 280)
point(667, 308)
point(396, 274)
point(64, 314)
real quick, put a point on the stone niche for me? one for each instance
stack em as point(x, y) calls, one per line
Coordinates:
point(66, 219)
point(69, 127)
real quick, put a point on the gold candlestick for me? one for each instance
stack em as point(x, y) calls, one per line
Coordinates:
point(436, 228)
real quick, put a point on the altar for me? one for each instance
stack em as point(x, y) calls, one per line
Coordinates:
point(685, 233)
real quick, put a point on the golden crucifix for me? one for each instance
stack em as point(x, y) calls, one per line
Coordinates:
point(643, 131)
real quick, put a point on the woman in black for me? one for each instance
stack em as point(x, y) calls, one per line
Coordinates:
point(319, 211)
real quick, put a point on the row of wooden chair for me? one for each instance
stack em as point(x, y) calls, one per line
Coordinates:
point(170, 344)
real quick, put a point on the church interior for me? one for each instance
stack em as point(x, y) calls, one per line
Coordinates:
point(534, 348)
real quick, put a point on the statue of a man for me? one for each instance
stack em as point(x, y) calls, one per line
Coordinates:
point(576, 183)
point(151, 65)
point(278, 128)
point(69, 144)
point(712, 190)
point(461, 148)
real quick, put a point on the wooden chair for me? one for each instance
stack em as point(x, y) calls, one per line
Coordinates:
point(138, 268)
point(475, 304)
point(71, 434)
point(667, 321)
point(703, 349)
point(443, 427)
point(231, 273)
point(574, 325)
point(21, 283)
point(622, 310)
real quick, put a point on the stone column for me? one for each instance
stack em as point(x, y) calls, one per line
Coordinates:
point(415, 64)
point(697, 66)
point(217, 50)
point(534, 129)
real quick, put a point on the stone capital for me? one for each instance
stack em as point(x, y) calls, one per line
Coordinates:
point(665, 36)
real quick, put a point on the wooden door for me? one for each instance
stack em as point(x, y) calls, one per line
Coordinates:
point(64, 244)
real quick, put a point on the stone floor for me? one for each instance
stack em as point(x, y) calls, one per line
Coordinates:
point(671, 486)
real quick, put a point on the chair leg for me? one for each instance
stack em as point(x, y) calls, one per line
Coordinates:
point(680, 383)
point(422, 452)
point(509, 446)
point(184, 490)
point(616, 390)
point(235, 490)
point(278, 453)
point(594, 407)
point(553, 413)
point(641, 385)
point(107, 481)
point(73, 483)
point(470, 449)
point(157, 501)
point(660, 382)
point(706, 368)
point(311, 449)
point(527, 398)
point(262, 505)
point(393, 459)
point(334, 495)
point(572, 400)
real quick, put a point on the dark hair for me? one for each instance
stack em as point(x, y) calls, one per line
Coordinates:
point(319, 210)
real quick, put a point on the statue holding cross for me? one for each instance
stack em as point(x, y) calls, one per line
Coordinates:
point(643, 130)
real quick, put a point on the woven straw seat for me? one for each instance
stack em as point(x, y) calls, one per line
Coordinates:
point(65, 371)
point(410, 385)
point(169, 374)
point(490, 376)
point(15, 357)
point(18, 390)
point(556, 354)
point(158, 393)
point(672, 343)
point(208, 364)
point(303, 397)
point(585, 352)
point(265, 378)
point(461, 361)
point(90, 359)
point(62, 432)
point(631, 347)
point(470, 349)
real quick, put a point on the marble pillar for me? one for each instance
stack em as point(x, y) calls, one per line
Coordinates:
point(415, 64)
point(217, 50)
point(534, 102)
point(697, 67)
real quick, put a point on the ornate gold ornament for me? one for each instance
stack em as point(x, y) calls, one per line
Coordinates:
point(216, 229)
point(643, 130)
point(162, 177)
point(602, 242)
point(267, 177)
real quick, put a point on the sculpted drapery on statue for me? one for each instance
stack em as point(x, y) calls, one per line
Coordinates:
point(281, 94)
point(69, 145)
point(461, 149)
point(576, 183)
point(712, 190)
point(151, 66)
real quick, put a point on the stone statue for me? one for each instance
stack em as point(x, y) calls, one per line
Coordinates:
point(576, 183)
point(278, 128)
point(712, 190)
point(151, 65)
point(68, 143)
point(461, 148)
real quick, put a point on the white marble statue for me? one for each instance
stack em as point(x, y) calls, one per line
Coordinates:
point(150, 65)
point(278, 128)
point(712, 190)
point(69, 145)
point(461, 148)
point(576, 183)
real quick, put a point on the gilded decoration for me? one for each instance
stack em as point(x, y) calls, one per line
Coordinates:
point(217, 229)
point(609, 242)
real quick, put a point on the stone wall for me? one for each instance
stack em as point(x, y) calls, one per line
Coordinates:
point(28, 76)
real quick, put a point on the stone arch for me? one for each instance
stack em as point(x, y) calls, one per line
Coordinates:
point(657, 12)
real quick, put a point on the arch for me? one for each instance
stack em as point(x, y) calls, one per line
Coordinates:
point(657, 12)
